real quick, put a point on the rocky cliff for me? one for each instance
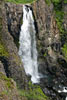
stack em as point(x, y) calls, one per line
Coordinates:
point(50, 44)
point(52, 63)
point(12, 63)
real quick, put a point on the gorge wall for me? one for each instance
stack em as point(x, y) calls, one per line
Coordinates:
point(9, 54)
point(52, 63)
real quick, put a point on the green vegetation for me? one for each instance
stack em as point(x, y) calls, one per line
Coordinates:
point(45, 54)
point(3, 51)
point(59, 19)
point(65, 1)
point(64, 50)
point(56, 1)
point(34, 93)
point(48, 2)
point(5, 92)
point(21, 1)
point(8, 81)
point(8, 90)
point(59, 14)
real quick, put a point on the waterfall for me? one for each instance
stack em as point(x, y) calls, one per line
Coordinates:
point(27, 49)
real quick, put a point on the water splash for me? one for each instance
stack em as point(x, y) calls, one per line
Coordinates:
point(64, 90)
point(27, 49)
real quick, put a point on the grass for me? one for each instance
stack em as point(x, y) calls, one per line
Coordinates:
point(59, 15)
point(45, 54)
point(8, 90)
point(8, 81)
point(5, 92)
point(33, 93)
point(3, 51)
point(64, 50)
point(48, 2)
point(65, 1)
point(21, 1)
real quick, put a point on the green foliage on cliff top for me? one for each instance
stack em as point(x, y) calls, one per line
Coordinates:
point(59, 16)
point(56, 1)
point(65, 1)
point(59, 19)
point(53, 1)
point(21, 1)
point(33, 93)
point(58, 12)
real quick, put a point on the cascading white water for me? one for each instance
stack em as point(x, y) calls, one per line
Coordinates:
point(27, 49)
point(64, 90)
point(66, 98)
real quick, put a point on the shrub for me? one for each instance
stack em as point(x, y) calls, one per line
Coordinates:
point(3, 51)
point(34, 93)
point(64, 50)
point(21, 1)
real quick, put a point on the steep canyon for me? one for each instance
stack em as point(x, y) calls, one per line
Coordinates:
point(52, 63)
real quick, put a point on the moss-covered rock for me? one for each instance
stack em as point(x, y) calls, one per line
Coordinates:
point(64, 50)
point(34, 92)
point(8, 89)
point(3, 51)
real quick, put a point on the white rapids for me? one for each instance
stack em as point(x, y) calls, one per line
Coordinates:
point(27, 49)
point(64, 91)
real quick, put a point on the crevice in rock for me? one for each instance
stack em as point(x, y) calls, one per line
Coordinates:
point(14, 23)
point(35, 22)
point(5, 63)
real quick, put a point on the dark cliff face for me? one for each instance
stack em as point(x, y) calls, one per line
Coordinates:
point(9, 62)
point(52, 64)
point(10, 59)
